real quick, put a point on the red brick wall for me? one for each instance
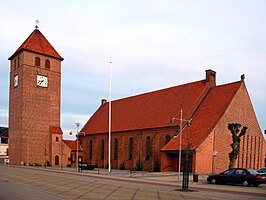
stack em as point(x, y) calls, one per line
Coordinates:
point(203, 158)
point(252, 144)
point(15, 123)
point(33, 109)
point(60, 149)
point(139, 148)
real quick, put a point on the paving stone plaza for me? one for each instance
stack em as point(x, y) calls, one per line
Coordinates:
point(68, 184)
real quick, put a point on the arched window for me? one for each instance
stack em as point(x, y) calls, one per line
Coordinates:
point(90, 149)
point(37, 61)
point(116, 149)
point(47, 64)
point(102, 149)
point(56, 160)
point(18, 61)
point(130, 148)
point(167, 138)
point(148, 148)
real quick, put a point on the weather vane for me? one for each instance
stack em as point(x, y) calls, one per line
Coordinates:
point(37, 22)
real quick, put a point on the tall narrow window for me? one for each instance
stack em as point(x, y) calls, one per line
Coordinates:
point(102, 150)
point(167, 138)
point(116, 149)
point(148, 148)
point(37, 61)
point(130, 148)
point(18, 61)
point(47, 64)
point(56, 160)
point(90, 149)
point(15, 64)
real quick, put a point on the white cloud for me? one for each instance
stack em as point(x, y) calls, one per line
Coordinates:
point(153, 44)
point(3, 118)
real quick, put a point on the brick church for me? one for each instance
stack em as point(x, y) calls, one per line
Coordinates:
point(35, 135)
point(145, 129)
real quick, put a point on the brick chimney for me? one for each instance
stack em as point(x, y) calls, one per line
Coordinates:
point(210, 77)
point(103, 102)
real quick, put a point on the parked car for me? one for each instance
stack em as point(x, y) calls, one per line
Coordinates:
point(243, 176)
point(262, 170)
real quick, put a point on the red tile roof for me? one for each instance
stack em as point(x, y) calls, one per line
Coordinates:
point(56, 129)
point(36, 42)
point(206, 117)
point(72, 144)
point(149, 110)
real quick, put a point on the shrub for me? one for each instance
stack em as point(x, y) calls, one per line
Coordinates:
point(122, 166)
point(139, 166)
point(47, 164)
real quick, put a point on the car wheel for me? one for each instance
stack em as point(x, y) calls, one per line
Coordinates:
point(213, 181)
point(245, 183)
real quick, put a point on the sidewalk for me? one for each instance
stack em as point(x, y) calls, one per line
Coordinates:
point(159, 178)
point(118, 184)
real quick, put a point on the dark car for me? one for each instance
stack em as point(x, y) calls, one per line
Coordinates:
point(243, 176)
point(262, 170)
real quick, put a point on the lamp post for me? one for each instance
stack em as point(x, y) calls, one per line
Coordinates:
point(181, 128)
point(77, 156)
point(77, 150)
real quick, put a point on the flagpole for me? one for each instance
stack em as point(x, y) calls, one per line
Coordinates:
point(180, 143)
point(110, 110)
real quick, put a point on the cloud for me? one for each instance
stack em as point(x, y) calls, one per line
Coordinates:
point(69, 123)
point(3, 118)
point(152, 44)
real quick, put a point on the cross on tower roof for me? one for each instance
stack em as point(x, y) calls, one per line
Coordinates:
point(37, 22)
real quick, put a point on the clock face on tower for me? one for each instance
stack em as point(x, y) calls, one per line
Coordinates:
point(15, 80)
point(42, 81)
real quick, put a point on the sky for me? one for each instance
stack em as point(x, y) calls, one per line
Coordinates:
point(152, 44)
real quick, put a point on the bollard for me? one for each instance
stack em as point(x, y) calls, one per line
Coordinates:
point(195, 178)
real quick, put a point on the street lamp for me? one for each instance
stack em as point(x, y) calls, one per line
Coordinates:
point(77, 124)
point(181, 128)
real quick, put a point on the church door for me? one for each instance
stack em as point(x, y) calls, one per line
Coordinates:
point(56, 162)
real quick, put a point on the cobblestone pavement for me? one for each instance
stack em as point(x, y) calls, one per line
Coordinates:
point(67, 184)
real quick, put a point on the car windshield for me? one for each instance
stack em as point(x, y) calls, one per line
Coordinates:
point(252, 171)
point(228, 172)
point(263, 170)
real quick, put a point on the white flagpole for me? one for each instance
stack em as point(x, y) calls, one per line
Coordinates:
point(110, 110)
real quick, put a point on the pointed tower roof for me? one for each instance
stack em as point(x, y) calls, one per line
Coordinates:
point(36, 42)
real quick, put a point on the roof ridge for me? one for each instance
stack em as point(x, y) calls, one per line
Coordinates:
point(141, 111)
point(160, 90)
point(217, 121)
point(213, 115)
point(200, 99)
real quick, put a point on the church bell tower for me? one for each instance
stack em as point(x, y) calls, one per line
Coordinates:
point(34, 100)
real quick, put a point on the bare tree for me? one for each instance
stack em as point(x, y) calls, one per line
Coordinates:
point(235, 129)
